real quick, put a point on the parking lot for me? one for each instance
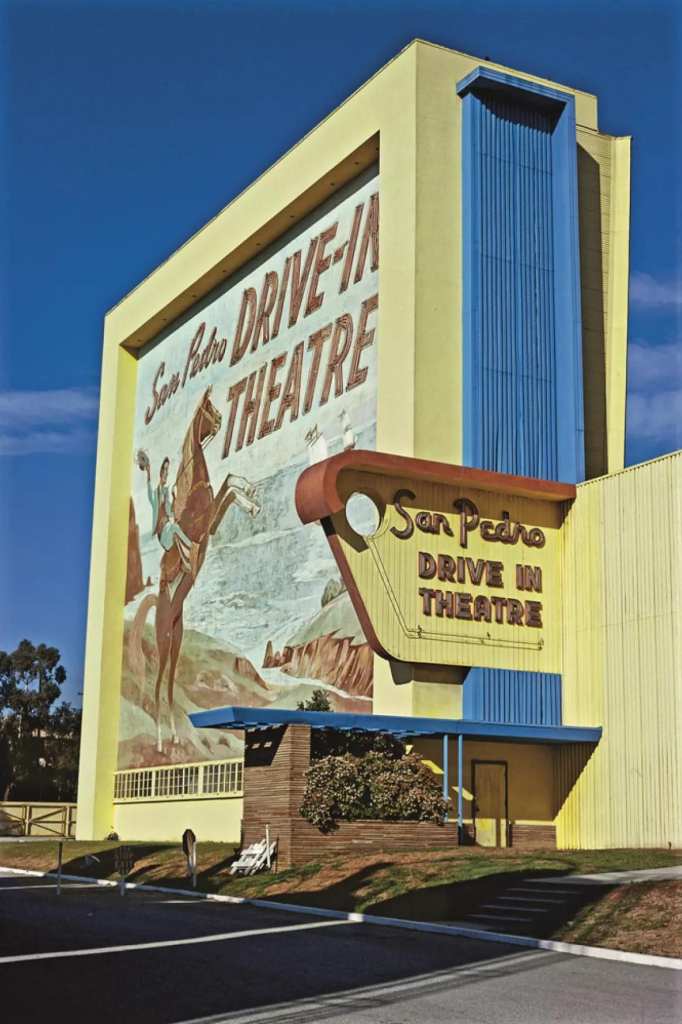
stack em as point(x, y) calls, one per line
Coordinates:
point(92, 955)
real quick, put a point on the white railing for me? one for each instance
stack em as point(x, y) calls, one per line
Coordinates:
point(181, 782)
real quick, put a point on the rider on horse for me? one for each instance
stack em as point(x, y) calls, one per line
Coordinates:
point(166, 529)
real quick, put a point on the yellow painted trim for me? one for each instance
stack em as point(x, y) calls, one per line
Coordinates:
point(617, 304)
point(108, 563)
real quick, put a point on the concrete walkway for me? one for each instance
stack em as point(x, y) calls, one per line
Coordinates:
point(673, 874)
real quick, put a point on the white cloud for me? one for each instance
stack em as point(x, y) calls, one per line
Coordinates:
point(645, 290)
point(59, 421)
point(654, 400)
point(656, 416)
point(653, 367)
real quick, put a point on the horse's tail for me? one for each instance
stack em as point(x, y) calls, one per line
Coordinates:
point(135, 643)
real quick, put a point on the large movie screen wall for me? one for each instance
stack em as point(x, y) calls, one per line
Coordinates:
point(229, 599)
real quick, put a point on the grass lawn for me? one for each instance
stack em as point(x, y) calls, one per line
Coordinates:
point(431, 885)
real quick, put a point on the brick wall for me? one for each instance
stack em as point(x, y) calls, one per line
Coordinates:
point(275, 766)
point(276, 762)
point(532, 837)
point(309, 844)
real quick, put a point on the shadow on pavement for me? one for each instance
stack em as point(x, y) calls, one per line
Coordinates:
point(305, 958)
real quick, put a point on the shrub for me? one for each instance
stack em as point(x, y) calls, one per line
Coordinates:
point(376, 785)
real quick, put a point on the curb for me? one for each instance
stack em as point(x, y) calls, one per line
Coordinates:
point(597, 952)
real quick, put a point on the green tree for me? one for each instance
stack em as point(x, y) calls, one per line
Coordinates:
point(319, 701)
point(39, 740)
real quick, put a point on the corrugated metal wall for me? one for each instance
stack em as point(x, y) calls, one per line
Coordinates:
point(522, 350)
point(513, 366)
point(622, 599)
point(523, 698)
point(522, 364)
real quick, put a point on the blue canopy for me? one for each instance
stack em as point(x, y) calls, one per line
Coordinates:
point(396, 725)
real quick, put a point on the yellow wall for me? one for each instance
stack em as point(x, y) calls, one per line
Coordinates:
point(530, 775)
point(212, 820)
point(410, 112)
point(604, 215)
point(623, 660)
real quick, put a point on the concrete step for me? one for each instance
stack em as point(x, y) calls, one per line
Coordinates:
point(533, 899)
point(508, 910)
point(538, 891)
point(531, 907)
point(498, 919)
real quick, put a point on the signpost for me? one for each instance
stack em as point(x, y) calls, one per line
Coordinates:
point(124, 862)
point(189, 847)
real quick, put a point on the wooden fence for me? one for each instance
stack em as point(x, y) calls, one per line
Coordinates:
point(36, 819)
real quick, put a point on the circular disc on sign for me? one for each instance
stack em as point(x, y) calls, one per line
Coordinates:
point(362, 514)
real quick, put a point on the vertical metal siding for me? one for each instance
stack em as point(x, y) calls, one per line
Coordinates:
point(622, 667)
point(522, 357)
point(520, 698)
point(513, 422)
point(522, 346)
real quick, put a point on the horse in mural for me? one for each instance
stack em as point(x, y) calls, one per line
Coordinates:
point(199, 512)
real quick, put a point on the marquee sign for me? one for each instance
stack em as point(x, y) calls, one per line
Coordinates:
point(463, 567)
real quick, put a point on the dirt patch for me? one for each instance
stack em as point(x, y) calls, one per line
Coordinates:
point(642, 917)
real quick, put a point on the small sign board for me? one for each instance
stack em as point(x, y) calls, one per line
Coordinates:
point(124, 860)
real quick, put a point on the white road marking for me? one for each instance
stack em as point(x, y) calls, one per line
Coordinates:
point(39, 885)
point(165, 944)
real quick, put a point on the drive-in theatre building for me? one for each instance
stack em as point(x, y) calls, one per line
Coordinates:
point(365, 432)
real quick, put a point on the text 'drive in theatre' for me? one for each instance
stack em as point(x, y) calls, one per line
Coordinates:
point(326, 362)
point(455, 573)
point(467, 605)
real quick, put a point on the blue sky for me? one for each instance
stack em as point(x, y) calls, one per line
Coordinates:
point(125, 126)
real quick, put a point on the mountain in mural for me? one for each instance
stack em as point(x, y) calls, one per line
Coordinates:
point(329, 651)
point(331, 648)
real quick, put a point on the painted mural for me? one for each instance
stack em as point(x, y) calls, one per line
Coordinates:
point(229, 598)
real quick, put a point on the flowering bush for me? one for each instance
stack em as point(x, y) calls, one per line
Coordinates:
point(375, 785)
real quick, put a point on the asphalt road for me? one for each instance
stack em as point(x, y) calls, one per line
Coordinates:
point(91, 955)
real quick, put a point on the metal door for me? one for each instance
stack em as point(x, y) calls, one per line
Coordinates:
point(490, 802)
